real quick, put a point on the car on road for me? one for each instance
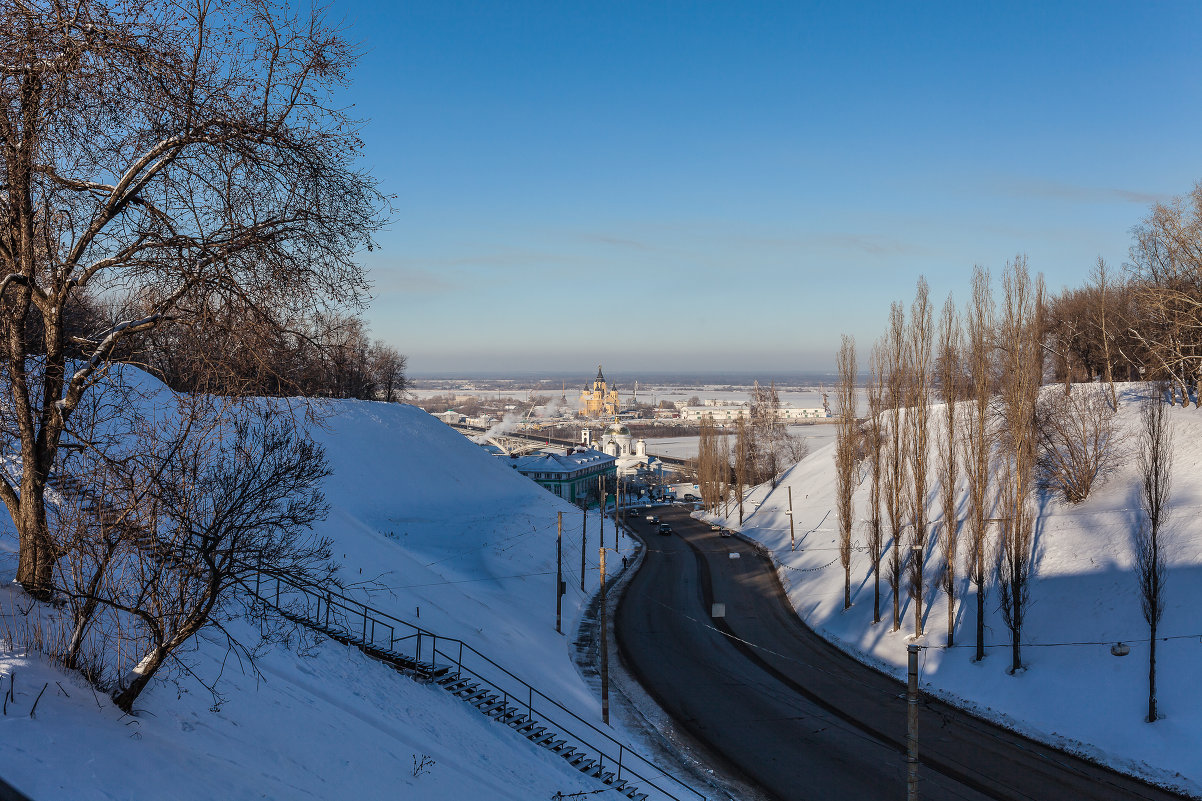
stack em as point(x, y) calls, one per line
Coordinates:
point(652, 519)
point(688, 496)
point(715, 527)
point(724, 532)
point(665, 529)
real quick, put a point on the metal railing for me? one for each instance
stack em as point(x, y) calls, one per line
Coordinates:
point(424, 652)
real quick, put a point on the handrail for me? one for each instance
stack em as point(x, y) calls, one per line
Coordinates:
point(367, 624)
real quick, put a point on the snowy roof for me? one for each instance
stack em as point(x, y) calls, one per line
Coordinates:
point(558, 462)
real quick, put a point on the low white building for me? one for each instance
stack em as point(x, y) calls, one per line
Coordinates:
point(731, 414)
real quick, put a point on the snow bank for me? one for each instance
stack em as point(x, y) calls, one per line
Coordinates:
point(1084, 591)
point(428, 527)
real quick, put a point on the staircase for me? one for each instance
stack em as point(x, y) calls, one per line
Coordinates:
point(446, 662)
point(474, 678)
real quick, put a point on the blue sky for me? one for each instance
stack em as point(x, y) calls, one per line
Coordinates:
point(705, 185)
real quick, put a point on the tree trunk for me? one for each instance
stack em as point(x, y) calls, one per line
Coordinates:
point(917, 603)
point(35, 566)
point(1016, 661)
point(1152, 676)
point(951, 621)
point(847, 587)
point(980, 623)
point(144, 672)
point(876, 590)
point(896, 587)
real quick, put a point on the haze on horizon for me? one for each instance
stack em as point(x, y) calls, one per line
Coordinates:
point(670, 186)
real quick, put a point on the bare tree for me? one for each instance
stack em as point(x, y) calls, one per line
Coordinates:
point(1166, 263)
point(874, 432)
point(225, 509)
point(978, 442)
point(846, 447)
point(896, 452)
point(1078, 439)
point(742, 463)
point(1156, 468)
point(1102, 282)
point(948, 368)
point(1021, 371)
point(918, 350)
point(770, 435)
point(167, 159)
point(708, 477)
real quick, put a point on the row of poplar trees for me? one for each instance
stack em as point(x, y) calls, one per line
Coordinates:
point(980, 372)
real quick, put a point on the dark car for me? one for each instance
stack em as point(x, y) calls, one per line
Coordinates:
point(724, 532)
point(688, 496)
point(665, 529)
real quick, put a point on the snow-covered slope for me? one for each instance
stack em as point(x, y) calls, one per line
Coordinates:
point(432, 526)
point(1084, 599)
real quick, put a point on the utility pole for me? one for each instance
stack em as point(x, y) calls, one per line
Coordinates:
point(912, 722)
point(617, 505)
point(583, 544)
point(559, 575)
point(604, 647)
point(792, 540)
point(604, 499)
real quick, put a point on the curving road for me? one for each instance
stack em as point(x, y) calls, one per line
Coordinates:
point(797, 716)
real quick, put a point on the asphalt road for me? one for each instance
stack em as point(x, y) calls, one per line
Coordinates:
point(796, 716)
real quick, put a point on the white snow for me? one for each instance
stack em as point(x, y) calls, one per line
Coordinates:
point(1076, 695)
point(449, 537)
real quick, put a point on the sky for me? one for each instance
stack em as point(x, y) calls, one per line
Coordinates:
point(734, 185)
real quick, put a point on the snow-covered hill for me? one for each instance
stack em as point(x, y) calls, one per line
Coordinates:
point(1084, 599)
point(436, 531)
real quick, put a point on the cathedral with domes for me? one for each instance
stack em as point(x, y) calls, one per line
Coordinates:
point(600, 401)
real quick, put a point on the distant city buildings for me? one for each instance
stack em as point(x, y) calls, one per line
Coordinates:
point(730, 414)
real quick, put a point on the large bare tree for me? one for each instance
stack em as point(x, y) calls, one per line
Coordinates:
point(1156, 469)
point(874, 431)
point(846, 447)
point(168, 156)
point(1021, 372)
point(948, 369)
point(978, 442)
point(1166, 263)
point(918, 357)
point(896, 453)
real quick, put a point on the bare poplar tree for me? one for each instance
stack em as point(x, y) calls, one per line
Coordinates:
point(896, 453)
point(948, 366)
point(707, 464)
point(1156, 468)
point(167, 160)
point(742, 448)
point(1102, 282)
point(874, 431)
point(978, 442)
point(1021, 372)
point(918, 350)
point(846, 446)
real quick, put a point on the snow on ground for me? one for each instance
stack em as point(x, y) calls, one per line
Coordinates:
point(1079, 696)
point(447, 536)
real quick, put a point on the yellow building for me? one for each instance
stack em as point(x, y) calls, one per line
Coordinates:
point(599, 401)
